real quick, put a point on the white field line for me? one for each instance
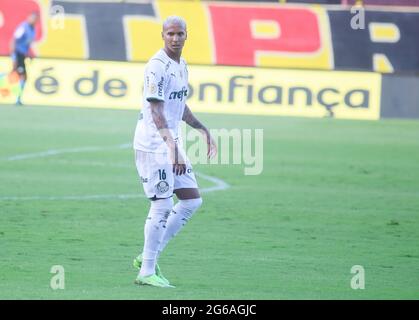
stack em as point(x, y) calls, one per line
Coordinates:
point(78, 198)
point(218, 183)
point(53, 152)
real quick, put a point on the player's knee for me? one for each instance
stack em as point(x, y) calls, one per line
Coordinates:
point(159, 212)
point(197, 203)
point(190, 206)
point(162, 205)
point(21, 71)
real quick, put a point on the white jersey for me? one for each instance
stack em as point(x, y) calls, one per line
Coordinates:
point(167, 81)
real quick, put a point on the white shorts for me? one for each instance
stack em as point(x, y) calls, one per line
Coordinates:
point(156, 175)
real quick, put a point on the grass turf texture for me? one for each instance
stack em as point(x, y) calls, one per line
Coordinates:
point(332, 194)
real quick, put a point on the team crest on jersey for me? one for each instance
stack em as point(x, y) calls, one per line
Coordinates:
point(162, 187)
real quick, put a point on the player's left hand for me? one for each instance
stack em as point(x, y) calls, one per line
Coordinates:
point(211, 146)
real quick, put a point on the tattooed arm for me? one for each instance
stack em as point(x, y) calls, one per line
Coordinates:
point(157, 112)
point(191, 120)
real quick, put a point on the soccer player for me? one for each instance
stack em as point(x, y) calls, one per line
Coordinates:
point(20, 45)
point(160, 160)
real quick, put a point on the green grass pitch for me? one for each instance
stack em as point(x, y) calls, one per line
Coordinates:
point(333, 194)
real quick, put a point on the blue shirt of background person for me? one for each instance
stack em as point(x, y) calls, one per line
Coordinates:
point(24, 36)
point(20, 48)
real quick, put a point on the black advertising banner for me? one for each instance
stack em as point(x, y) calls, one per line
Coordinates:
point(386, 40)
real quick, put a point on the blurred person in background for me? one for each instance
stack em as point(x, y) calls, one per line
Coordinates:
point(20, 48)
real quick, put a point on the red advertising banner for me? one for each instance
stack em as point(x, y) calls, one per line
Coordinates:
point(237, 40)
point(13, 13)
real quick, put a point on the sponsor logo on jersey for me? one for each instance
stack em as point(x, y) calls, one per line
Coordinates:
point(160, 86)
point(178, 94)
point(143, 180)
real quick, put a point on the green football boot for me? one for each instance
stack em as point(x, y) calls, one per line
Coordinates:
point(137, 264)
point(152, 280)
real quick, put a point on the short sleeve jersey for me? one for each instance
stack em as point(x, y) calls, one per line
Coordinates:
point(164, 80)
point(24, 35)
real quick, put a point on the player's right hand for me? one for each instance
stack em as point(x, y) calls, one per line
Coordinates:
point(179, 165)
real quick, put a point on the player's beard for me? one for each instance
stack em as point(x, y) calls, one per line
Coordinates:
point(174, 51)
